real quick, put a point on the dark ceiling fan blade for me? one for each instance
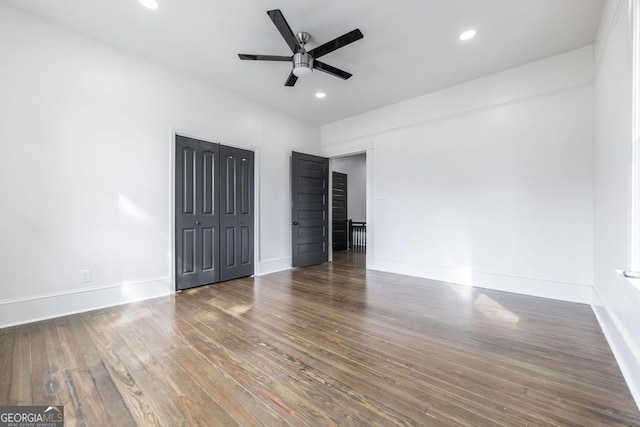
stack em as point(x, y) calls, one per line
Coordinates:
point(291, 80)
point(334, 44)
point(285, 30)
point(331, 70)
point(250, 57)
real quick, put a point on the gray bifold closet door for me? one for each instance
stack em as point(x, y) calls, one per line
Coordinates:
point(237, 213)
point(213, 213)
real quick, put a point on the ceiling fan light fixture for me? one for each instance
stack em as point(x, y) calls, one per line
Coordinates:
point(302, 64)
point(302, 71)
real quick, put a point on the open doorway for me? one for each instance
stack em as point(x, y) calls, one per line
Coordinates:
point(349, 203)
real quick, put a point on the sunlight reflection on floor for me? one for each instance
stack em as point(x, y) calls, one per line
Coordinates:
point(495, 311)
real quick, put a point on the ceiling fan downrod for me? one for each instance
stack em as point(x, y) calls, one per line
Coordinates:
point(302, 61)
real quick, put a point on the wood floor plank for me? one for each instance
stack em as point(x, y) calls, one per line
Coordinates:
point(43, 382)
point(6, 366)
point(60, 384)
point(333, 344)
point(20, 389)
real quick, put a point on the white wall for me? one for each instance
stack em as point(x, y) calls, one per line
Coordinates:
point(616, 301)
point(356, 169)
point(488, 183)
point(86, 134)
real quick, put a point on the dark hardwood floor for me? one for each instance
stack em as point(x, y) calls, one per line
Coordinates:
point(333, 344)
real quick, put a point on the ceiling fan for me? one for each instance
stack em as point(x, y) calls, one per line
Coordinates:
point(304, 61)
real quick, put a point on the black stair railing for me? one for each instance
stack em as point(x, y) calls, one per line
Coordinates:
point(357, 235)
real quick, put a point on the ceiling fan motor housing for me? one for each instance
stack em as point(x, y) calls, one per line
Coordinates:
point(302, 64)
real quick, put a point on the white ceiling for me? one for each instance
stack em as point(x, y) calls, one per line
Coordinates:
point(410, 47)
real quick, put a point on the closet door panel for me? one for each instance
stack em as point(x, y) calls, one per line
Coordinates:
point(237, 219)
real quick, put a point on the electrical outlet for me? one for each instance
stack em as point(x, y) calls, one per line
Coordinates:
point(85, 276)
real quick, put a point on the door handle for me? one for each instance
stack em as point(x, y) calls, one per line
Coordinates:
point(240, 222)
point(197, 222)
point(294, 223)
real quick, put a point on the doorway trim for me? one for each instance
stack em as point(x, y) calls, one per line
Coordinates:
point(172, 199)
point(333, 151)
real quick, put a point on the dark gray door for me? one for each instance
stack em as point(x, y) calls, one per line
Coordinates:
point(237, 213)
point(197, 211)
point(310, 209)
point(339, 211)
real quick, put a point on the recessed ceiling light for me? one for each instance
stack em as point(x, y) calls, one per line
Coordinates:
point(320, 95)
point(149, 4)
point(467, 35)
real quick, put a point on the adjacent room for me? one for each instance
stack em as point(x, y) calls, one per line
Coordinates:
point(321, 213)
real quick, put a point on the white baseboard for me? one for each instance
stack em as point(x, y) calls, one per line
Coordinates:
point(274, 265)
point(627, 355)
point(519, 285)
point(46, 306)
